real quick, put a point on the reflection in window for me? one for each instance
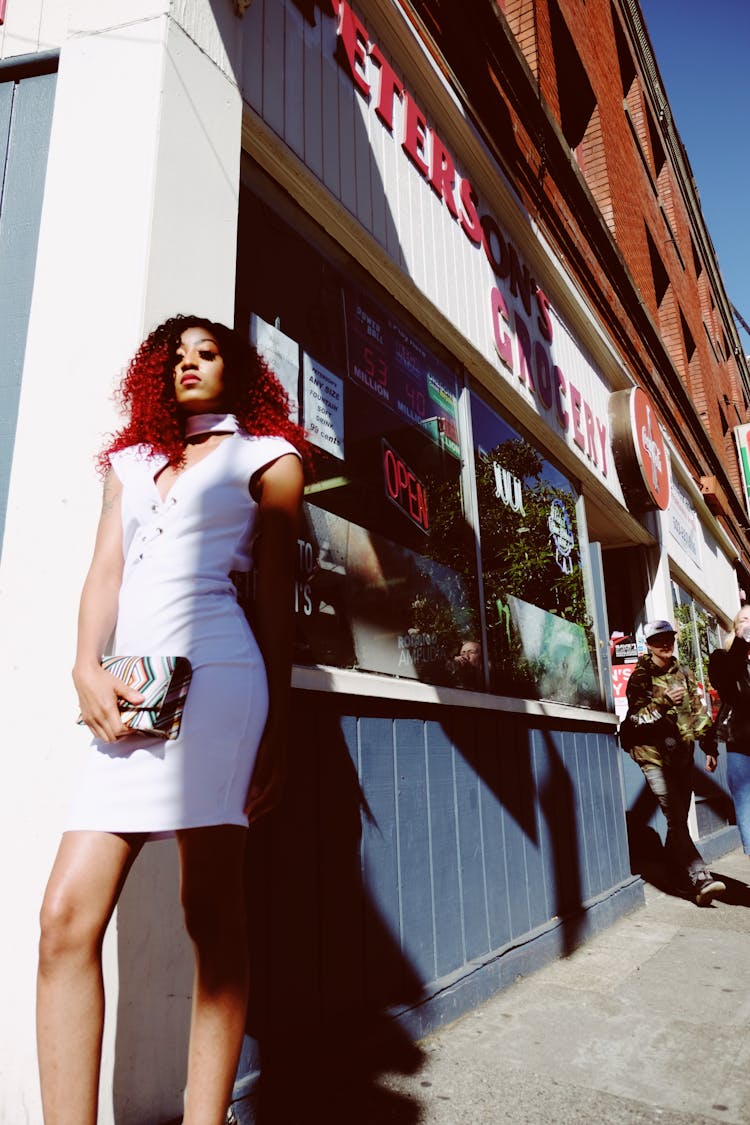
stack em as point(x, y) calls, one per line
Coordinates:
point(386, 576)
point(394, 591)
point(697, 636)
point(540, 643)
point(387, 560)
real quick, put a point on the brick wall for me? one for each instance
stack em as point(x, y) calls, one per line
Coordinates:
point(610, 198)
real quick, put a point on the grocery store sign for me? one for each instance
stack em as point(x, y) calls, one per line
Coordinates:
point(521, 341)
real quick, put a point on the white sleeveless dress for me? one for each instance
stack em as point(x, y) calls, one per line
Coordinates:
point(177, 599)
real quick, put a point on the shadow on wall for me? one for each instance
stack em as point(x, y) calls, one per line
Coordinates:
point(365, 904)
point(325, 971)
point(156, 980)
point(407, 854)
point(529, 786)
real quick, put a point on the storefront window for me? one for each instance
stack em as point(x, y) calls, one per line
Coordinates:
point(386, 567)
point(540, 642)
point(395, 586)
point(387, 561)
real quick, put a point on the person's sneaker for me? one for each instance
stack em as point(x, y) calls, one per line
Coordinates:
point(706, 889)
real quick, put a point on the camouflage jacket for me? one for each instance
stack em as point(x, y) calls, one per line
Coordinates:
point(669, 729)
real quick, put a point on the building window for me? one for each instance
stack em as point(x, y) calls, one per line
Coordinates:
point(387, 562)
point(395, 581)
point(635, 117)
point(657, 148)
point(624, 56)
point(697, 264)
point(659, 274)
point(575, 96)
point(688, 338)
point(698, 635)
point(400, 509)
point(665, 193)
point(540, 643)
point(694, 369)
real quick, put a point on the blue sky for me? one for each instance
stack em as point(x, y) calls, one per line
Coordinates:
point(703, 51)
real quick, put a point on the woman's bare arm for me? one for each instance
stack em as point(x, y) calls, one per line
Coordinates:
point(280, 497)
point(98, 691)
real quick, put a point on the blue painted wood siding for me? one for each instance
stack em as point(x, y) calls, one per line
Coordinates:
point(482, 830)
point(25, 121)
point(413, 846)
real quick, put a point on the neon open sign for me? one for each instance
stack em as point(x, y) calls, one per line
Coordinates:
point(404, 489)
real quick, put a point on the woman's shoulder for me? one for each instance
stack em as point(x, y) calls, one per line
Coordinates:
point(262, 448)
point(137, 452)
point(129, 459)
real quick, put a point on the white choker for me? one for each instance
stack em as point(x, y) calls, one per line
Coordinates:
point(211, 424)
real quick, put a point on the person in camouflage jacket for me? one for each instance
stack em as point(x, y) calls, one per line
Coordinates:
point(665, 716)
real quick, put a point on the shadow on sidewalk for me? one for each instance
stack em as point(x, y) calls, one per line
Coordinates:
point(650, 860)
point(737, 893)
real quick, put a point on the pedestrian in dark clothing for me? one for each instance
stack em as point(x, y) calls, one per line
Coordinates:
point(665, 716)
point(730, 675)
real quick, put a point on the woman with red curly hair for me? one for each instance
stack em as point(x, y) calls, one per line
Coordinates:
point(204, 478)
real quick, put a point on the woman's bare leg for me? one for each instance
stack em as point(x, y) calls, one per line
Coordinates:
point(212, 863)
point(86, 880)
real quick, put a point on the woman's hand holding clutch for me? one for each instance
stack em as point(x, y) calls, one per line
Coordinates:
point(98, 695)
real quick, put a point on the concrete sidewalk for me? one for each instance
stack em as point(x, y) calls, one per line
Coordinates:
point(647, 1022)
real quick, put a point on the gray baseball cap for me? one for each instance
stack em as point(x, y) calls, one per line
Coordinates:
point(653, 628)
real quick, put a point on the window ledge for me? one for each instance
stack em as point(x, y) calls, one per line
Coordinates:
point(344, 681)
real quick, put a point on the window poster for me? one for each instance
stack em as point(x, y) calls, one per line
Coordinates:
point(558, 653)
point(400, 372)
point(323, 398)
point(623, 652)
point(281, 353)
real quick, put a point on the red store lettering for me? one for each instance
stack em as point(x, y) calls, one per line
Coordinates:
point(530, 360)
point(530, 363)
point(433, 160)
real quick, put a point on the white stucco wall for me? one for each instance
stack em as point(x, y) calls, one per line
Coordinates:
point(32, 26)
point(139, 222)
point(701, 554)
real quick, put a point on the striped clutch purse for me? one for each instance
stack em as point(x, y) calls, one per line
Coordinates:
point(163, 681)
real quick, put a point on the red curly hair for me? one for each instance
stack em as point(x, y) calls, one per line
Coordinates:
point(146, 395)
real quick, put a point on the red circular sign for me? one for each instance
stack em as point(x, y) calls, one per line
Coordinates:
point(650, 448)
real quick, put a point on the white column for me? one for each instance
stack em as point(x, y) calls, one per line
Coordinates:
point(139, 221)
point(659, 597)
